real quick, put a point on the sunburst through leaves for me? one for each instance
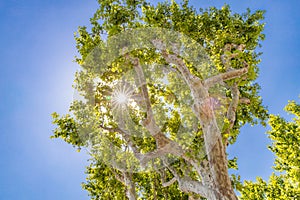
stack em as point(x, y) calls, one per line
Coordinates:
point(122, 96)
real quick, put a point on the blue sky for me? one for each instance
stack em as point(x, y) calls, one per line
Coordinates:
point(37, 69)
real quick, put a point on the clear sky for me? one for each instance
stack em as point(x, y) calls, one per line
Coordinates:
point(36, 59)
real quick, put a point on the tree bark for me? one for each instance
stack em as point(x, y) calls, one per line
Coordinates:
point(130, 187)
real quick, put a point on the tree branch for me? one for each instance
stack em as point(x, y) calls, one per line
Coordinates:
point(127, 139)
point(186, 184)
point(118, 176)
point(225, 76)
point(231, 113)
point(170, 182)
point(244, 100)
point(181, 66)
point(130, 192)
point(149, 123)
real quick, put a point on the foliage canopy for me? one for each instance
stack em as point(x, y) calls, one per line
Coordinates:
point(170, 93)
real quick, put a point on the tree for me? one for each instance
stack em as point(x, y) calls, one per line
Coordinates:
point(286, 147)
point(165, 90)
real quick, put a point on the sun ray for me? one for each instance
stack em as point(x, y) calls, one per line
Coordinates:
point(121, 96)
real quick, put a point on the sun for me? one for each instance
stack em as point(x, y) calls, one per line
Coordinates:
point(121, 96)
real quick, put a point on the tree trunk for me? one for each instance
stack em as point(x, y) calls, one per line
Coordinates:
point(216, 154)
